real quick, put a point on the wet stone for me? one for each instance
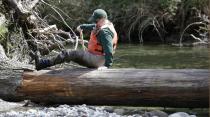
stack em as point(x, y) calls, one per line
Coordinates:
point(181, 114)
point(119, 111)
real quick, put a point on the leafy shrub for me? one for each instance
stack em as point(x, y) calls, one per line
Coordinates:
point(129, 16)
point(3, 28)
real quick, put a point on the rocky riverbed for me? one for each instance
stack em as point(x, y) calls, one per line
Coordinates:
point(28, 109)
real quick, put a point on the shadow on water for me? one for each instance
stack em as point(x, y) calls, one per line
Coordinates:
point(161, 56)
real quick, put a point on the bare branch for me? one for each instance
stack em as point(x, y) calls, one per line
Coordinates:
point(195, 23)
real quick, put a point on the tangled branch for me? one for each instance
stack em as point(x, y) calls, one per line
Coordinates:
point(181, 37)
point(34, 32)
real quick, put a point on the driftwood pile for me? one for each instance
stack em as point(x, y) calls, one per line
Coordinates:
point(36, 33)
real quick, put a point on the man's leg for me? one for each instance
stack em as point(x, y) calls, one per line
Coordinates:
point(64, 56)
point(81, 57)
point(91, 60)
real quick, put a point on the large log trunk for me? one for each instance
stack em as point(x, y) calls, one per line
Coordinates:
point(137, 87)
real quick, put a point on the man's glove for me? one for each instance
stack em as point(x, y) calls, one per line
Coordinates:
point(102, 68)
point(79, 29)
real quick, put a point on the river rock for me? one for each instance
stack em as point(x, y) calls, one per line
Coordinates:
point(155, 113)
point(109, 109)
point(119, 111)
point(63, 110)
point(181, 114)
point(5, 106)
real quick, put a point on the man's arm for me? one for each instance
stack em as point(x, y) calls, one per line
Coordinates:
point(105, 37)
point(88, 27)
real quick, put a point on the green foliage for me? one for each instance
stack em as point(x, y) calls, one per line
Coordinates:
point(170, 5)
point(3, 31)
point(3, 38)
point(126, 14)
point(200, 4)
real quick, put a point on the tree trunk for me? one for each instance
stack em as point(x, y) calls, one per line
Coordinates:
point(136, 87)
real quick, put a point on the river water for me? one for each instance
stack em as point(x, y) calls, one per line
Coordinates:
point(127, 56)
point(161, 56)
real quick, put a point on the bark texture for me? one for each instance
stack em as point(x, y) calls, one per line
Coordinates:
point(137, 87)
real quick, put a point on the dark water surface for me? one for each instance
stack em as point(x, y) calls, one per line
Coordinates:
point(161, 56)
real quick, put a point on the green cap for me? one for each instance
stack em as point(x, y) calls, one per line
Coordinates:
point(98, 14)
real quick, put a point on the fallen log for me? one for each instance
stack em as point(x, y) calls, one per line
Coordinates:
point(136, 87)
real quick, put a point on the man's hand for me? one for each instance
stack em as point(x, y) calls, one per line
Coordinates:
point(102, 68)
point(79, 29)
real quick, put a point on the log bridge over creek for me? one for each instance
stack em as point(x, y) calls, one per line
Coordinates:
point(133, 87)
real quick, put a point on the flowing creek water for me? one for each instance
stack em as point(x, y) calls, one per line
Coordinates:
point(127, 56)
point(161, 56)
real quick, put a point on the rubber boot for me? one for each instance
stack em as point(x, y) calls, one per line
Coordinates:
point(40, 63)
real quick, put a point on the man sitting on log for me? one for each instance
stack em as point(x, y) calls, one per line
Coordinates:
point(101, 46)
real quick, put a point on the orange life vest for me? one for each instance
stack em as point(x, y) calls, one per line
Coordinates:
point(94, 46)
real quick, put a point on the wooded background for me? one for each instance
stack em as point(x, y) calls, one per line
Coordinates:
point(50, 24)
